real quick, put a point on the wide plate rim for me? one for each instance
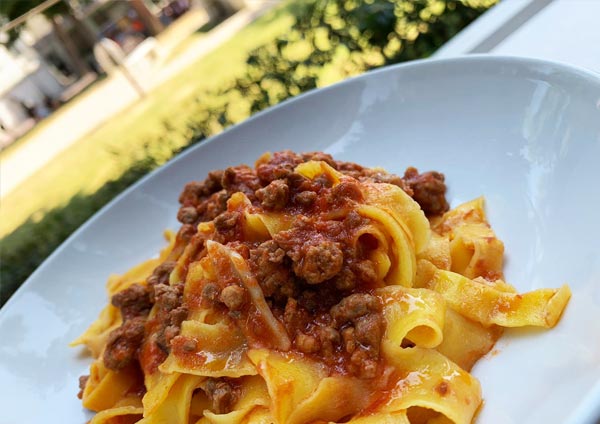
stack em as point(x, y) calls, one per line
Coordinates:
point(575, 71)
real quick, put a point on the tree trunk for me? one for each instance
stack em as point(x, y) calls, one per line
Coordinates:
point(77, 62)
point(222, 11)
point(81, 30)
point(153, 25)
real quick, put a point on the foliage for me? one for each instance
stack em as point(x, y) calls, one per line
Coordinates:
point(12, 9)
point(348, 36)
point(330, 40)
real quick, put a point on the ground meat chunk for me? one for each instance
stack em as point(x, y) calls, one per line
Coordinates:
point(123, 344)
point(349, 339)
point(233, 296)
point(295, 317)
point(368, 331)
point(274, 196)
point(372, 175)
point(202, 201)
point(226, 221)
point(213, 206)
point(187, 215)
point(365, 271)
point(384, 177)
point(345, 280)
point(271, 269)
point(319, 262)
point(191, 193)
point(354, 220)
point(172, 330)
point(186, 232)
point(170, 313)
point(189, 345)
point(161, 274)
point(429, 190)
point(178, 315)
point(307, 343)
point(350, 168)
point(362, 326)
point(274, 253)
point(320, 156)
point(354, 306)
point(305, 198)
point(133, 301)
point(329, 339)
point(363, 365)
point(168, 297)
point(210, 292)
point(311, 245)
point(221, 394)
point(82, 382)
point(278, 166)
point(213, 182)
point(241, 178)
point(195, 191)
point(346, 190)
point(227, 226)
point(269, 172)
point(299, 183)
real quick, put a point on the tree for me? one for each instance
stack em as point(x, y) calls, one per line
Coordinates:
point(56, 13)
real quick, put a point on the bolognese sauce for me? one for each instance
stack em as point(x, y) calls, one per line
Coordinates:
point(317, 282)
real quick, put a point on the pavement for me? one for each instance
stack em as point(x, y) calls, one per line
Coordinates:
point(115, 93)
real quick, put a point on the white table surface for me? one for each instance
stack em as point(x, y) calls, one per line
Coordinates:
point(560, 30)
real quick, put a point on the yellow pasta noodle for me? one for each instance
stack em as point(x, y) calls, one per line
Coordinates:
point(309, 290)
point(487, 305)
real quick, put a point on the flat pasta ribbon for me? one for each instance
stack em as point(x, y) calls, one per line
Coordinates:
point(357, 276)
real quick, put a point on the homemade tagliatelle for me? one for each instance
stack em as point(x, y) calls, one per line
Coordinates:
point(309, 290)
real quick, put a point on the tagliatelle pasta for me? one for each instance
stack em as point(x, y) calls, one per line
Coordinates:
point(308, 290)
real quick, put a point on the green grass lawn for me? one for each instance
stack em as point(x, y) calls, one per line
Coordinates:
point(107, 152)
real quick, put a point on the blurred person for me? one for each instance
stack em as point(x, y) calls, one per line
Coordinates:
point(28, 108)
point(179, 7)
point(41, 110)
point(59, 65)
point(126, 36)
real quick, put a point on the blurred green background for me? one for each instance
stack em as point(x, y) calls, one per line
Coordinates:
point(297, 46)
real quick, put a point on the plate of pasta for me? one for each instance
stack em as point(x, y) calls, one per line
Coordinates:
point(414, 245)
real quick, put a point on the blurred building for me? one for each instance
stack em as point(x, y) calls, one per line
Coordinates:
point(53, 59)
point(30, 83)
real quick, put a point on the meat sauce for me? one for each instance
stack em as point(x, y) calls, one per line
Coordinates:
point(316, 279)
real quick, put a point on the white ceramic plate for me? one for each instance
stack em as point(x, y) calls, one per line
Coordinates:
point(524, 133)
